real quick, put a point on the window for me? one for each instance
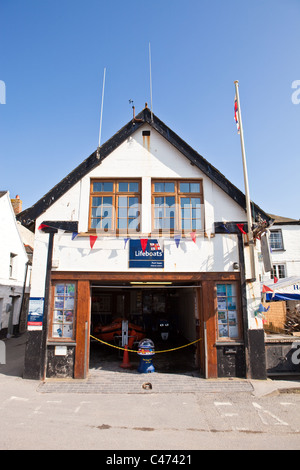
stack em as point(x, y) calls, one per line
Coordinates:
point(278, 271)
point(63, 311)
point(115, 206)
point(228, 316)
point(177, 206)
point(276, 241)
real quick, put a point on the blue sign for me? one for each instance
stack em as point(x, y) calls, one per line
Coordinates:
point(35, 313)
point(145, 254)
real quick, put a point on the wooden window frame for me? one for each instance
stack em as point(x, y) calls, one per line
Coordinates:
point(178, 195)
point(115, 194)
point(62, 339)
point(228, 338)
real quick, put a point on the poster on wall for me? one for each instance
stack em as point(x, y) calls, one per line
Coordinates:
point(145, 254)
point(35, 313)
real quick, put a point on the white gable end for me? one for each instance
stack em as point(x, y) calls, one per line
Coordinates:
point(145, 157)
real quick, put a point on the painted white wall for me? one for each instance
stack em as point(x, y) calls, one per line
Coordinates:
point(290, 255)
point(133, 159)
point(10, 242)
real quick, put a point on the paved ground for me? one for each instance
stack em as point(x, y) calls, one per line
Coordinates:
point(111, 410)
point(115, 380)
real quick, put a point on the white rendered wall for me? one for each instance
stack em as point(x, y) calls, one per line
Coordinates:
point(10, 242)
point(290, 255)
point(133, 159)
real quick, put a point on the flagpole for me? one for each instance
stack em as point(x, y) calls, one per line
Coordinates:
point(248, 204)
point(100, 127)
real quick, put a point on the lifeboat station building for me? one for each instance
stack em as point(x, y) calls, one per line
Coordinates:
point(144, 238)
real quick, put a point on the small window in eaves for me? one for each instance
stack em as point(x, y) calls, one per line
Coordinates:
point(146, 133)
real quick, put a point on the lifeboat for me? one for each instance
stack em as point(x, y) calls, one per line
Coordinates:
point(109, 332)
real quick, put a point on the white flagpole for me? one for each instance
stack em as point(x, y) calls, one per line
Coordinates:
point(100, 128)
point(150, 81)
point(248, 204)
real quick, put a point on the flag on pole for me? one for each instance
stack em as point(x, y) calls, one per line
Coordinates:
point(236, 115)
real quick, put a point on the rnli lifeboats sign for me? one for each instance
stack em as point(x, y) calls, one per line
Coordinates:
point(145, 253)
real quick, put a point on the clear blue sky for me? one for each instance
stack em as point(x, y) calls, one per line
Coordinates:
point(52, 61)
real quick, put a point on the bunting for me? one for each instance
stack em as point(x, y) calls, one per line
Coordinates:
point(241, 228)
point(262, 309)
point(125, 242)
point(144, 242)
point(177, 239)
point(225, 228)
point(266, 289)
point(74, 235)
point(193, 236)
point(93, 238)
point(42, 226)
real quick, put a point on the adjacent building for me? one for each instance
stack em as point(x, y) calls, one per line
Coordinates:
point(16, 247)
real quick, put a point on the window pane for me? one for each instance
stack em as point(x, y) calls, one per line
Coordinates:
point(195, 187)
point(158, 224)
point(134, 187)
point(186, 212)
point(195, 201)
point(106, 211)
point(123, 201)
point(122, 223)
point(97, 187)
point(133, 224)
point(122, 212)
point(196, 213)
point(97, 201)
point(95, 223)
point(103, 186)
point(107, 186)
point(107, 200)
point(186, 224)
point(170, 201)
point(123, 187)
point(158, 201)
point(133, 201)
point(133, 212)
point(197, 224)
point(169, 187)
point(184, 187)
point(159, 187)
point(106, 223)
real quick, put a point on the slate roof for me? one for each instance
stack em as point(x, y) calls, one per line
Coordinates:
point(28, 216)
point(279, 220)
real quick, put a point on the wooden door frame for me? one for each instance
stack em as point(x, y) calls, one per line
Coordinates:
point(206, 308)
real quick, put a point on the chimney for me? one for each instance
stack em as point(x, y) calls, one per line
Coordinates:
point(17, 204)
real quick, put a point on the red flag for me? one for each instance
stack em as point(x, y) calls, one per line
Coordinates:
point(275, 279)
point(93, 238)
point(266, 289)
point(241, 228)
point(144, 242)
point(193, 235)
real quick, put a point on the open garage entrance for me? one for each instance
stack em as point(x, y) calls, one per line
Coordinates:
point(165, 312)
